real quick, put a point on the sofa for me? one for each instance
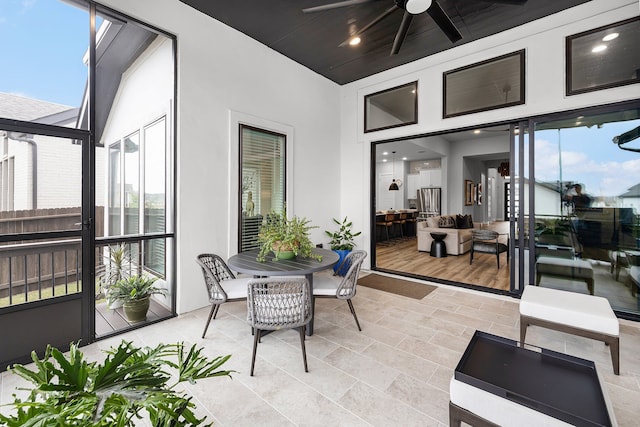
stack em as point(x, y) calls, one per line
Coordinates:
point(457, 241)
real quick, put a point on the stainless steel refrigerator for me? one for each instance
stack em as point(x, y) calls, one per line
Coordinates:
point(429, 201)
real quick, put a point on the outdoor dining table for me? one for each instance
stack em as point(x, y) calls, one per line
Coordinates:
point(246, 262)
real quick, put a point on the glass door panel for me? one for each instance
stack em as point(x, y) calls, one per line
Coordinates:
point(41, 179)
point(450, 184)
point(588, 204)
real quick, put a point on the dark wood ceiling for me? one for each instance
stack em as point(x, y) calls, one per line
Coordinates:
point(313, 39)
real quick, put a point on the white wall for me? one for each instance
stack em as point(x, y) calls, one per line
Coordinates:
point(544, 42)
point(221, 70)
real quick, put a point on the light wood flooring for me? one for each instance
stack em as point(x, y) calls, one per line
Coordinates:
point(401, 255)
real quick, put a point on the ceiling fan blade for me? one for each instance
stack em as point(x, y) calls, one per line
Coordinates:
point(444, 22)
point(337, 5)
point(402, 33)
point(371, 24)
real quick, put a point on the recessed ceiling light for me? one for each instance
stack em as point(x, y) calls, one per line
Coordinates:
point(404, 158)
point(413, 91)
point(610, 37)
point(599, 48)
point(355, 41)
point(477, 131)
point(580, 117)
point(578, 123)
point(386, 153)
point(384, 160)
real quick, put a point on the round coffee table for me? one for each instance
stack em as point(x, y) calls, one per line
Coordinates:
point(438, 247)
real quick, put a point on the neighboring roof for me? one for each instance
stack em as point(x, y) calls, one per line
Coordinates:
point(119, 45)
point(553, 185)
point(632, 192)
point(27, 109)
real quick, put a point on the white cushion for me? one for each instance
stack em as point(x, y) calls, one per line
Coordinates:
point(569, 308)
point(325, 285)
point(235, 288)
point(496, 409)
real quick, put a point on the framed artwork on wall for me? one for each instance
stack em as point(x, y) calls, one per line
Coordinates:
point(604, 57)
point(391, 108)
point(495, 83)
point(468, 192)
point(479, 194)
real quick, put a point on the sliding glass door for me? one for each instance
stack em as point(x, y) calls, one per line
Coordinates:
point(587, 203)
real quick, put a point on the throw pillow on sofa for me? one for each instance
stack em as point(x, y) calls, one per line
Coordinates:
point(464, 221)
point(447, 222)
point(433, 222)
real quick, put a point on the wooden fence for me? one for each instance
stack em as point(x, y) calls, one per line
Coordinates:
point(34, 265)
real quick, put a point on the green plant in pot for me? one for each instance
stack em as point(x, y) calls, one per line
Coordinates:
point(285, 237)
point(342, 242)
point(115, 266)
point(134, 292)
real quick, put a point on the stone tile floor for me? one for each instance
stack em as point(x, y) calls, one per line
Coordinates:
point(395, 372)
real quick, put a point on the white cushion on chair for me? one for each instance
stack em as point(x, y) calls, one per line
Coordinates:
point(325, 285)
point(569, 308)
point(496, 409)
point(235, 288)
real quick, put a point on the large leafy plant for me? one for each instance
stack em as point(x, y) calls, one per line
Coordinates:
point(132, 383)
point(279, 233)
point(342, 240)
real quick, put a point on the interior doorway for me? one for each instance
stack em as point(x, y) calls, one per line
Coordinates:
point(444, 180)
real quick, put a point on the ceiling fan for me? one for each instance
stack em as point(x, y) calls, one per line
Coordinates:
point(411, 8)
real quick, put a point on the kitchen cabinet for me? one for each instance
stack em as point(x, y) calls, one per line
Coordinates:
point(430, 178)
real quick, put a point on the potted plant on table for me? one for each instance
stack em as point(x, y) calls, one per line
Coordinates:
point(285, 237)
point(134, 292)
point(342, 243)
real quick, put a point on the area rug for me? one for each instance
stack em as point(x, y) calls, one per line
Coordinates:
point(396, 286)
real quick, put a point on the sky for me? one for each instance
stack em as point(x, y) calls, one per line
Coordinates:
point(42, 44)
point(590, 157)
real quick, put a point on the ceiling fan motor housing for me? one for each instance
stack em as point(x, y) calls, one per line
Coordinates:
point(414, 7)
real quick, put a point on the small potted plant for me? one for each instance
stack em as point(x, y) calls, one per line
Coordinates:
point(134, 292)
point(285, 237)
point(342, 242)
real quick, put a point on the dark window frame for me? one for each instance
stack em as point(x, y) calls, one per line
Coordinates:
point(522, 93)
point(382, 92)
point(242, 126)
point(569, 91)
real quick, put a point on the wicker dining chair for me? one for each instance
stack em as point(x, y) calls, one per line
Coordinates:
point(342, 287)
point(276, 303)
point(222, 285)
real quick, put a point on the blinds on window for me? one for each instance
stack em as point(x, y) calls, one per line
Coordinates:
point(262, 180)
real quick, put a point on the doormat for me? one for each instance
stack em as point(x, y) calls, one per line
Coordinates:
point(396, 286)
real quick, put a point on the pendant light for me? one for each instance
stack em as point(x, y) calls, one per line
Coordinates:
point(394, 185)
